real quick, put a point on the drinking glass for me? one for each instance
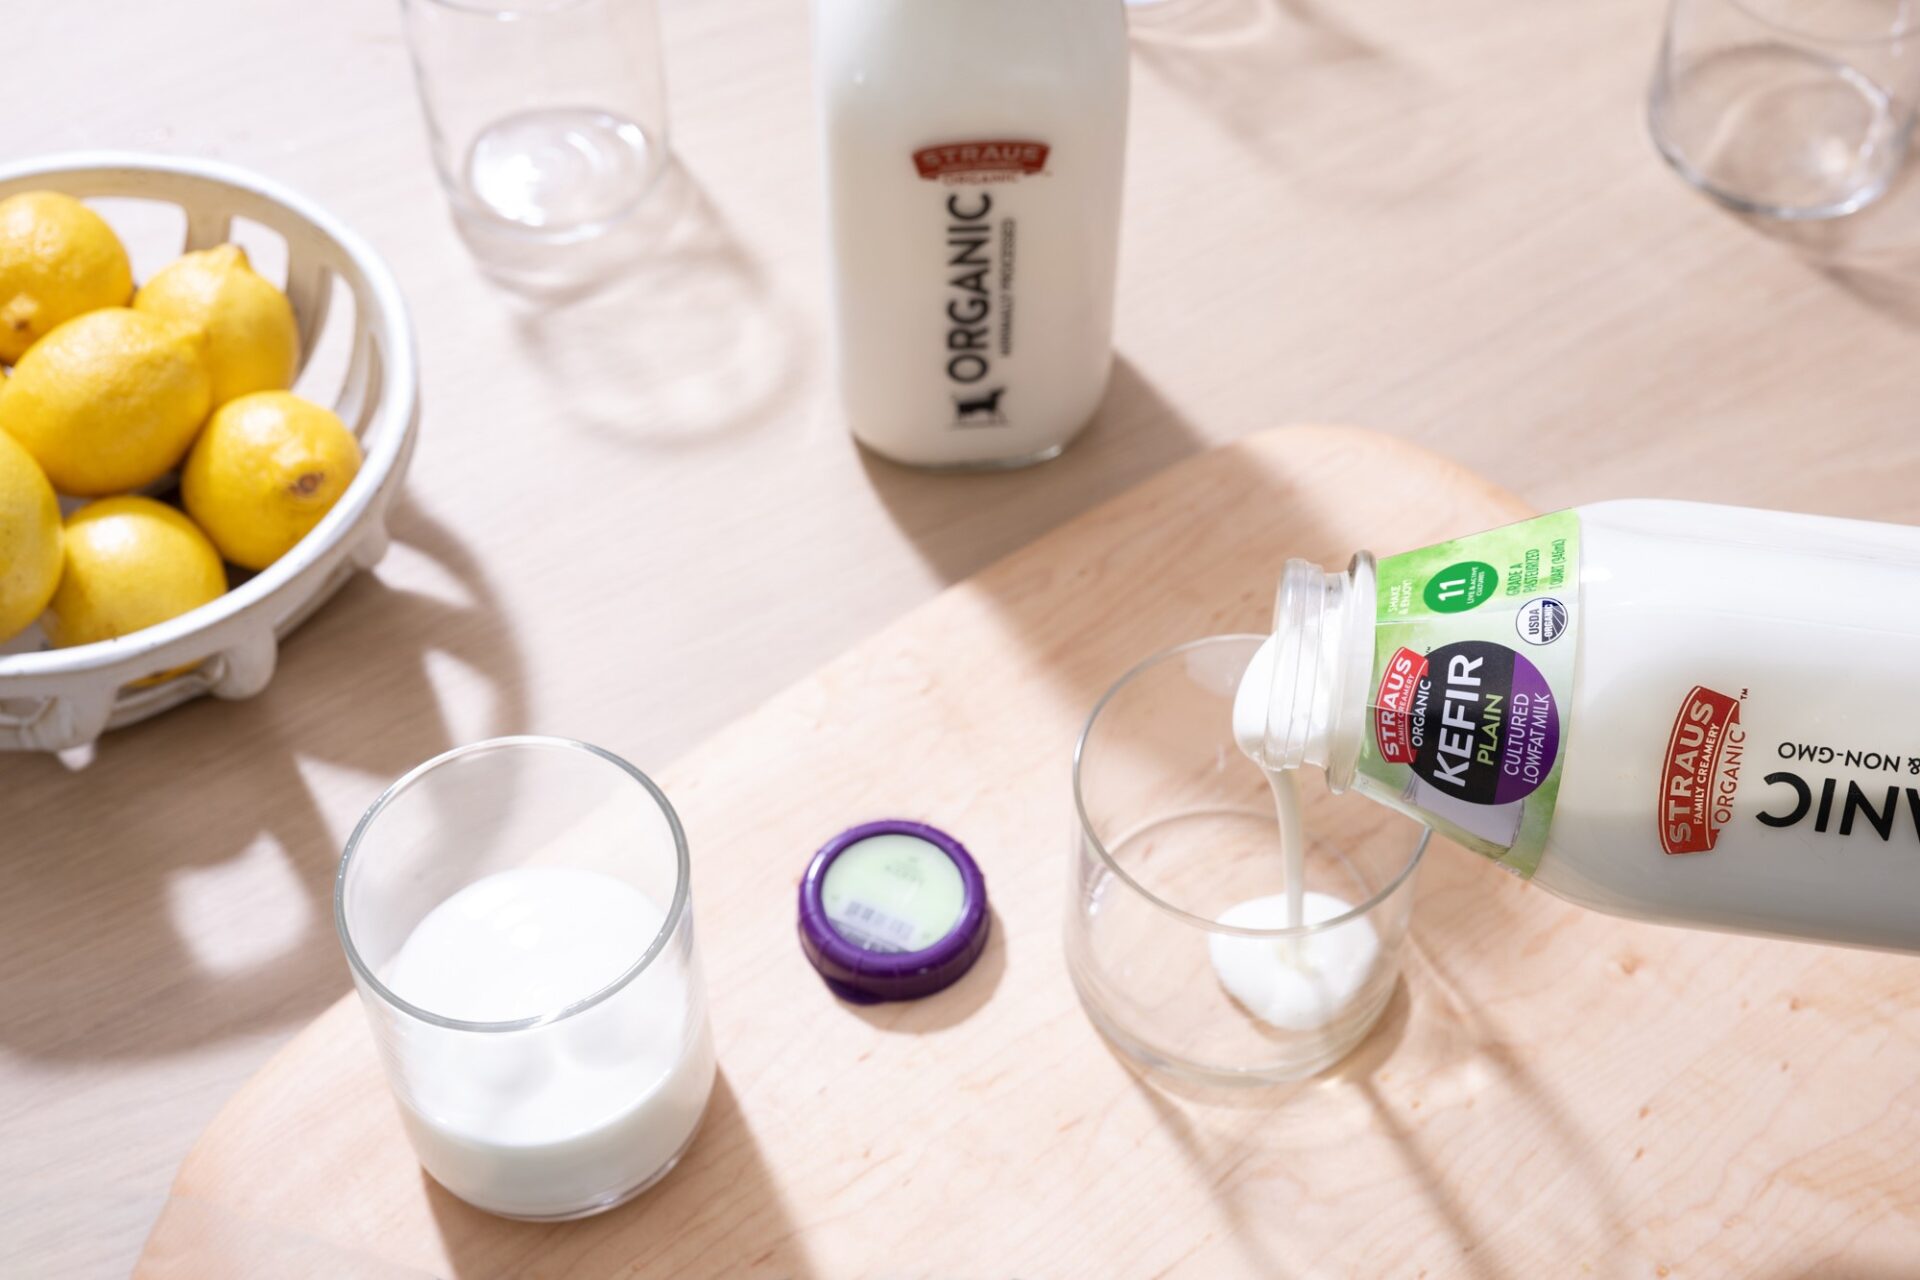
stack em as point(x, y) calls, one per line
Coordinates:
point(589, 1088)
point(548, 122)
point(1794, 109)
point(1176, 826)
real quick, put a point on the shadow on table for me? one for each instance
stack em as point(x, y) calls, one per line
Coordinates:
point(683, 343)
point(1348, 1106)
point(722, 1201)
point(948, 1008)
point(1299, 86)
point(199, 1240)
point(1221, 1126)
point(1873, 254)
point(101, 951)
point(962, 522)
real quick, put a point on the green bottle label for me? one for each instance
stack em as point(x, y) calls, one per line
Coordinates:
point(1475, 644)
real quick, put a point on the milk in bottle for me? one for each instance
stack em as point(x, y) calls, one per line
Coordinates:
point(973, 162)
point(1676, 712)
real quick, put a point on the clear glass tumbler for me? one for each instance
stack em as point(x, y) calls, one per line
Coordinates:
point(1177, 827)
point(548, 122)
point(1793, 109)
point(517, 919)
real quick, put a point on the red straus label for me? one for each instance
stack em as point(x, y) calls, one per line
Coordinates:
point(1702, 771)
point(988, 159)
point(1393, 705)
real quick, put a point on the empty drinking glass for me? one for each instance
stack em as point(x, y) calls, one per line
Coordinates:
point(548, 122)
point(1788, 108)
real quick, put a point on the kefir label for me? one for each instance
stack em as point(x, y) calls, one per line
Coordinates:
point(1474, 654)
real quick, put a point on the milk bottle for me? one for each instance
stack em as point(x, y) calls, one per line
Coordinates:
point(973, 161)
point(1670, 711)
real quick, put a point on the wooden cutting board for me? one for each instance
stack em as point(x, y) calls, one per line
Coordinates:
point(1551, 1093)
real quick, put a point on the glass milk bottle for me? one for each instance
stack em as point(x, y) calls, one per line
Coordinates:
point(973, 162)
point(1670, 711)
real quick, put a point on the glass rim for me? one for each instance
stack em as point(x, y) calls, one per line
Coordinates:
point(1903, 28)
point(1091, 837)
point(676, 910)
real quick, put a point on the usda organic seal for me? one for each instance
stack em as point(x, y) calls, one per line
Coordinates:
point(1541, 620)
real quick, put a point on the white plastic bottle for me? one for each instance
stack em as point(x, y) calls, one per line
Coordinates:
point(1675, 712)
point(973, 165)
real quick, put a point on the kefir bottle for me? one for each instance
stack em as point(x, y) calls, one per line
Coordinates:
point(1675, 712)
point(973, 161)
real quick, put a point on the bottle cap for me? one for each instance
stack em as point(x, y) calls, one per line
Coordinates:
point(892, 910)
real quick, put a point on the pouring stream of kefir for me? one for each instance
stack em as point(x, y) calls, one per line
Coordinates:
point(1302, 983)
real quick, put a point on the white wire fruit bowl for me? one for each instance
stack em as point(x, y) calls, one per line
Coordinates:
point(56, 699)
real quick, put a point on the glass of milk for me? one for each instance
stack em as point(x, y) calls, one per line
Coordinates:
point(1201, 940)
point(516, 915)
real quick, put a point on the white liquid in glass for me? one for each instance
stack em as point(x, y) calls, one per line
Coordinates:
point(1303, 983)
point(581, 1111)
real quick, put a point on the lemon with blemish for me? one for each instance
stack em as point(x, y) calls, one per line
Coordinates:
point(265, 470)
point(252, 341)
point(58, 259)
point(131, 563)
point(30, 539)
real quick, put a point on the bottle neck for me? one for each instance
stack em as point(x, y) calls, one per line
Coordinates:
point(1320, 659)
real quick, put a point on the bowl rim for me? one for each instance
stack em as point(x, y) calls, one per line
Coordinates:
point(393, 422)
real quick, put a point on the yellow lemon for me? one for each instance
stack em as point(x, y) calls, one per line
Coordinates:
point(131, 563)
point(58, 259)
point(252, 343)
point(108, 401)
point(30, 551)
point(264, 471)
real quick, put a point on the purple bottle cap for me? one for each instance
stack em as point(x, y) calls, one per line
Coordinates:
point(892, 910)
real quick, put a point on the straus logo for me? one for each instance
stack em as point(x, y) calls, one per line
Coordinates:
point(987, 160)
point(1393, 706)
point(1701, 772)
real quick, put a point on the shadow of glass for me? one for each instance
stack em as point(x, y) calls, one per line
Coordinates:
point(1874, 253)
point(1282, 77)
point(1462, 1039)
point(722, 1175)
point(152, 980)
point(1455, 1051)
point(1212, 1148)
point(961, 523)
point(1230, 24)
point(679, 342)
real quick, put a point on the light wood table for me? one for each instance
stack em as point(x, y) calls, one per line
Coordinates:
point(633, 517)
